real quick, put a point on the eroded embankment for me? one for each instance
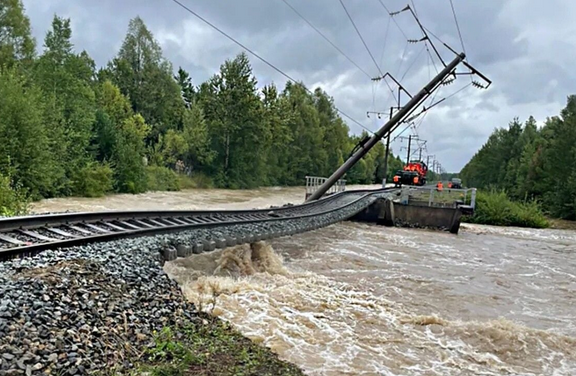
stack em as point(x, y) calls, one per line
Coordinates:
point(108, 309)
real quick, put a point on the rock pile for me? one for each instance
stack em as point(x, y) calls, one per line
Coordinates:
point(89, 309)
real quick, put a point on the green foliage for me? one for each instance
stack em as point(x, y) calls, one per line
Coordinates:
point(93, 180)
point(212, 348)
point(233, 113)
point(186, 88)
point(531, 163)
point(143, 75)
point(197, 180)
point(16, 42)
point(162, 179)
point(13, 201)
point(495, 208)
point(120, 136)
point(25, 153)
point(70, 113)
point(66, 128)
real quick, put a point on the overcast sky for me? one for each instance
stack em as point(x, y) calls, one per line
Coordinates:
point(527, 47)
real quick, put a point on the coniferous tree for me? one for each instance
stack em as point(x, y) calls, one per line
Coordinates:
point(145, 76)
point(16, 42)
point(65, 79)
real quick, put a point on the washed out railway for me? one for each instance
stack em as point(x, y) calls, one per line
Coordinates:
point(205, 230)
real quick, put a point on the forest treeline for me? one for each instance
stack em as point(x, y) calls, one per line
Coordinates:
point(68, 127)
point(531, 163)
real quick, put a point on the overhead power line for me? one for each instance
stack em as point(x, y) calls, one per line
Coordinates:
point(457, 26)
point(385, 41)
point(361, 38)
point(261, 58)
point(393, 19)
point(325, 38)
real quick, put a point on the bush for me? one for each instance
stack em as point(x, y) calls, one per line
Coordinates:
point(195, 181)
point(495, 208)
point(162, 179)
point(13, 201)
point(94, 180)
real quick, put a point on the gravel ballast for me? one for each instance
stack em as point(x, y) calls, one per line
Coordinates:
point(95, 308)
point(85, 309)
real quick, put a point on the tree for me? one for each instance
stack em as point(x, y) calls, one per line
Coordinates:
point(25, 154)
point(143, 75)
point(128, 157)
point(186, 88)
point(198, 153)
point(65, 79)
point(276, 121)
point(559, 169)
point(306, 154)
point(16, 42)
point(124, 133)
point(238, 134)
point(334, 130)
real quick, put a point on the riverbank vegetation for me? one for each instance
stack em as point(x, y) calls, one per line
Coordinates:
point(13, 201)
point(68, 127)
point(496, 208)
point(213, 348)
point(531, 163)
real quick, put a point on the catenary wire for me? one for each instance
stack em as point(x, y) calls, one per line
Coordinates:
point(457, 26)
point(326, 38)
point(260, 58)
point(361, 38)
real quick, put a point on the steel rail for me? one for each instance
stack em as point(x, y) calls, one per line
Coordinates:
point(55, 231)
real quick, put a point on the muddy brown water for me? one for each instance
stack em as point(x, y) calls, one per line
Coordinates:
point(356, 298)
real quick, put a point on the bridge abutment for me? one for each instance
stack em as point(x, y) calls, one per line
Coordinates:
point(404, 214)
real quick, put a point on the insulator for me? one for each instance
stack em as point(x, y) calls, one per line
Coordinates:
point(478, 85)
point(449, 82)
point(368, 115)
point(413, 41)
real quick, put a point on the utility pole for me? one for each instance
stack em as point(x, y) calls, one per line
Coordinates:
point(400, 116)
point(420, 148)
point(410, 138)
point(387, 149)
point(428, 161)
point(409, 144)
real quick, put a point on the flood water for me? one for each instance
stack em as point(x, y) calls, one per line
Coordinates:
point(356, 298)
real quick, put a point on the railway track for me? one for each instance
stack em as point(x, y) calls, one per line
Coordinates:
point(23, 236)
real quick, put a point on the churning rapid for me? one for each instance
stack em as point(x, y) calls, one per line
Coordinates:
point(355, 298)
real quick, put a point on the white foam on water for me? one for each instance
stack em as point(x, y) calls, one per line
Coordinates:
point(334, 327)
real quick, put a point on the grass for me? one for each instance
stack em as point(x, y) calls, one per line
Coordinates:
point(445, 197)
point(210, 348)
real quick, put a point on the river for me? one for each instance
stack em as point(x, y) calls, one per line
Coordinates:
point(356, 298)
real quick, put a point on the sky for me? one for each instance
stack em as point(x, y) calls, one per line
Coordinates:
point(526, 47)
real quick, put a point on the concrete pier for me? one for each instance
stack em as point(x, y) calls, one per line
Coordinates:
point(405, 214)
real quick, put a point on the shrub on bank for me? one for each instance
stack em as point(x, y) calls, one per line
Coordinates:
point(198, 180)
point(495, 208)
point(162, 179)
point(94, 180)
point(13, 201)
